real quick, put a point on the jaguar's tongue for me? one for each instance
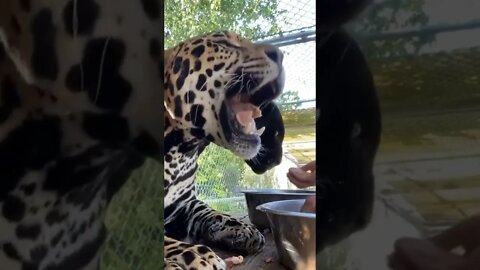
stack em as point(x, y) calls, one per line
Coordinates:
point(245, 114)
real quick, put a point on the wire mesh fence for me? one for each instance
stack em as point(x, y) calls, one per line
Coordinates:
point(298, 15)
point(135, 228)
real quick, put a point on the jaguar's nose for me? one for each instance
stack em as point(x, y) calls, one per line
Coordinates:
point(274, 54)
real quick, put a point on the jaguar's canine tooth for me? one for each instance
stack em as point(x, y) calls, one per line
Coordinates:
point(251, 128)
point(260, 131)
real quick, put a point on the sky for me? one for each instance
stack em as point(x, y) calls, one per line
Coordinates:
point(453, 12)
point(299, 60)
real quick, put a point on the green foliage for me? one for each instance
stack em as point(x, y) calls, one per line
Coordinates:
point(394, 15)
point(288, 101)
point(248, 18)
point(231, 207)
point(134, 222)
point(220, 175)
point(219, 171)
point(436, 81)
point(389, 15)
point(304, 117)
point(253, 180)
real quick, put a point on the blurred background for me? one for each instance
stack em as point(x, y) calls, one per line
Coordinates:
point(424, 56)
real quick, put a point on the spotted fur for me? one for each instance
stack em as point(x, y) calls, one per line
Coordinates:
point(77, 114)
point(201, 75)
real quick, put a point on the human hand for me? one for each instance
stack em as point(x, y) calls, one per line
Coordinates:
point(304, 176)
point(465, 234)
point(422, 254)
point(310, 204)
point(435, 253)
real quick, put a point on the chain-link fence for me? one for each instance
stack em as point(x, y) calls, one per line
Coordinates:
point(135, 228)
point(133, 219)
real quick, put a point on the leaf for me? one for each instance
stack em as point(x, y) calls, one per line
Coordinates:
point(188, 18)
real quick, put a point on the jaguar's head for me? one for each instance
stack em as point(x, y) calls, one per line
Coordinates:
point(216, 86)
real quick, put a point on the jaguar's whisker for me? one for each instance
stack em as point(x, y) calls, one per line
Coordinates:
point(75, 33)
point(102, 59)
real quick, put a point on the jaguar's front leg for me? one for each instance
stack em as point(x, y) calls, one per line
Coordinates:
point(221, 230)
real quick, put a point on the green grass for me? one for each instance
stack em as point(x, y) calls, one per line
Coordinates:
point(447, 80)
point(237, 208)
point(134, 222)
point(432, 134)
point(299, 133)
point(304, 117)
point(408, 186)
point(428, 82)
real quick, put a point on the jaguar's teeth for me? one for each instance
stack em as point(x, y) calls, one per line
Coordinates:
point(260, 131)
point(251, 127)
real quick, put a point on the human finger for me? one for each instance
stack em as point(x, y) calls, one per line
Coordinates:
point(298, 183)
point(424, 254)
point(310, 166)
point(298, 176)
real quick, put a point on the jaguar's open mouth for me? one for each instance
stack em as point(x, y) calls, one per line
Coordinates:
point(240, 109)
point(243, 115)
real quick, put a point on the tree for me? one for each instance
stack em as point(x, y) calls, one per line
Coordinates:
point(288, 101)
point(251, 19)
point(391, 15)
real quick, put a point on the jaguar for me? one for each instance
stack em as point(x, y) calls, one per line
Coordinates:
point(219, 89)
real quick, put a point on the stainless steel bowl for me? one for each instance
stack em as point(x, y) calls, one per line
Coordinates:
point(255, 197)
point(294, 233)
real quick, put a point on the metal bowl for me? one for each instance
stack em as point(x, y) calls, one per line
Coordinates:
point(255, 197)
point(294, 233)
